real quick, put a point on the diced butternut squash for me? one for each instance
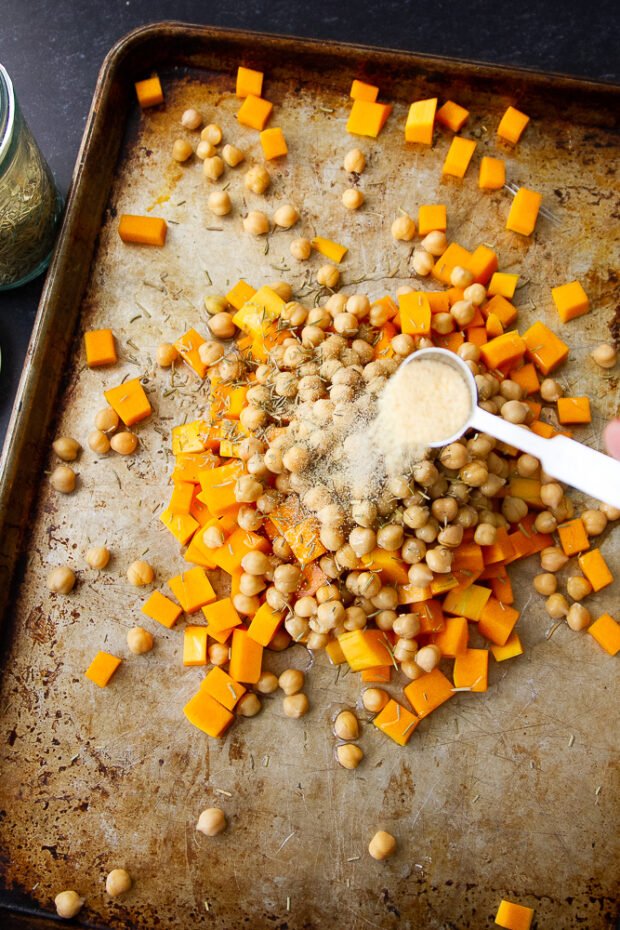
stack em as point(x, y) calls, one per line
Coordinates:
point(493, 326)
point(192, 589)
point(188, 348)
point(573, 536)
point(263, 307)
point(524, 211)
point(431, 615)
point(415, 314)
point(254, 112)
point(218, 486)
point(181, 525)
point(455, 255)
point(459, 156)
point(513, 916)
point(381, 674)
point(149, 92)
point(249, 82)
point(329, 249)
point(452, 115)
point(195, 645)
point(512, 124)
point(468, 602)
point(471, 670)
point(273, 143)
point(497, 621)
point(208, 714)
point(606, 631)
point(229, 556)
point(102, 668)
point(265, 623)
point(503, 284)
point(574, 410)
point(246, 657)
point(432, 217)
point(421, 121)
point(492, 175)
point(240, 294)
point(503, 350)
point(190, 438)
point(428, 692)
point(393, 570)
point(99, 345)
point(335, 653)
point(145, 230)
point(367, 118)
point(221, 615)
point(223, 687)
point(500, 550)
point(526, 376)
point(396, 722)
point(189, 465)
point(181, 498)
point(129, 401)
point(544, 348)
point(387, 304)
point(383, 346)
point(453, 639)
point(301, 533)
point(594, 567)
point(570, 300)
point(362, 91)
point(511, 648)
point(502, 589)
point(362, 650)
point(482, 264)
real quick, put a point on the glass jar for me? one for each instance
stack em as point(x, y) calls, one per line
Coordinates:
point(30, 205)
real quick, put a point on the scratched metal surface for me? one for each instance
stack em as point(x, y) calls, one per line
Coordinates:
point(511, 793)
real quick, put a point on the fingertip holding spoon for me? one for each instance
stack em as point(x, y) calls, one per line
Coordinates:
point(571, 462)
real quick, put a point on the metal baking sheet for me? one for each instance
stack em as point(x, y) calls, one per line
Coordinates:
point(508, 794)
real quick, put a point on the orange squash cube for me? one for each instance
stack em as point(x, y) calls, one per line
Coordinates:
point(129, 401)
point(459, 156)
point(380, 674)
point(421, 121)
point(248, 82)
point(513, 916)
point(335, 653)
point(524, 211)
point(452, 115)
point(181, 525)
point(574, 410)
point(221, 615)
point(573, 536)
point(102, 668)
point(367, 118)
point(544, 348)
point(149, 92)
point(331, 250)
point(362, 91)
point(511, 648)
point(482, 264)
point(195, 645)
point(492, 175)
point(254, 112)
point(432, 217)
point(503, 284)
point(396, 722)
point(512, 124)
point(497, 621)
point(221, 686)
point(606, 632)
point(453, 639)
point(594, 567)
point(192, 589)
point(265, 624)
point(468, 602)
point(503, 350)
point(526, 376)
point(208, 714)
point(415, 314)
point(454, 255)
point(428, 692)
point(471, 670)
point(570, 301)
point(246, 657)
point(362, 650)
point(273, 143)
point(99, 345)
point(240, 294)
point(188, 348)
point(145, 230)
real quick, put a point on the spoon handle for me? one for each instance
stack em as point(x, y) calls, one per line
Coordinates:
point(571, 462)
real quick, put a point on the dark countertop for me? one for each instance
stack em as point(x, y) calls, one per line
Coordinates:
point(53, 50)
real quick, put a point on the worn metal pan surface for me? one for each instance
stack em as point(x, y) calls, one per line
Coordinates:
point(510, 793)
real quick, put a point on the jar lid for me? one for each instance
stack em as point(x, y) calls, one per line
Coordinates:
point(7, 112)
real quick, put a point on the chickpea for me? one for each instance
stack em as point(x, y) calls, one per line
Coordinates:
point(181, 150)
point(382, 845)
point(107, 420)
point(211, 133)
point(191, 119)
point(205, 150)
point(213, 167)
point(212, 821)
point(98, 557)
point(435, 242)
point(286, 216)
point(301, 249)
point(406, 626)
point(515, 411)
point(354, 161)
point(218, 654)
point(296, 705)
point(257, 179)
point(232, 155)
point(219, 203)
point(296, 459)
point(140, 573)
point(546, 584)
point(63, 479)
point(556, 606)
point(604, 355)
point(346, 726)
point(246, 604)
point(476, 294)
point(251, 584)
point(328, 276)
point(61, 580)
point(68, 904)
point(375, 699)
point(578, 617)
point(428, 657)
point(124, 442)
point(249, 705)
point(611, 512)
point(369, 584)
point(332, 538)
point(514, 509)
point(578, 587)
point(99, 442)
point(463, 312)
point(527, 465)
point(551, 494)
point(420, 575)
point(214, 537)
point(439, 559)
point(66, 448)
point(139, 640)
point(349, 755)
point(390, 537)
point(267, 683)
point(256, 563)
point(545, 522)
point(222, 325)
point(422, 262)
point(286, 578)
point(403, 227)
point(256, 223)
point(413, 551)
point(550, 390)
point(166, 354)
point(364, 513)
point(362, 540)
point(118, 882)
point(594, 521)
point(552, 559)
point(474, 474)
point(352, 198)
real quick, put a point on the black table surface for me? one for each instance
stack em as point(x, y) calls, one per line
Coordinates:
point(53, 50)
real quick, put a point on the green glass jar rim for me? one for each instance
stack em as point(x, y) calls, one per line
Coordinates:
point(7, 112)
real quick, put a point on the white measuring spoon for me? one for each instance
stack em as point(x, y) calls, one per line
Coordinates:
point(592, 472)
